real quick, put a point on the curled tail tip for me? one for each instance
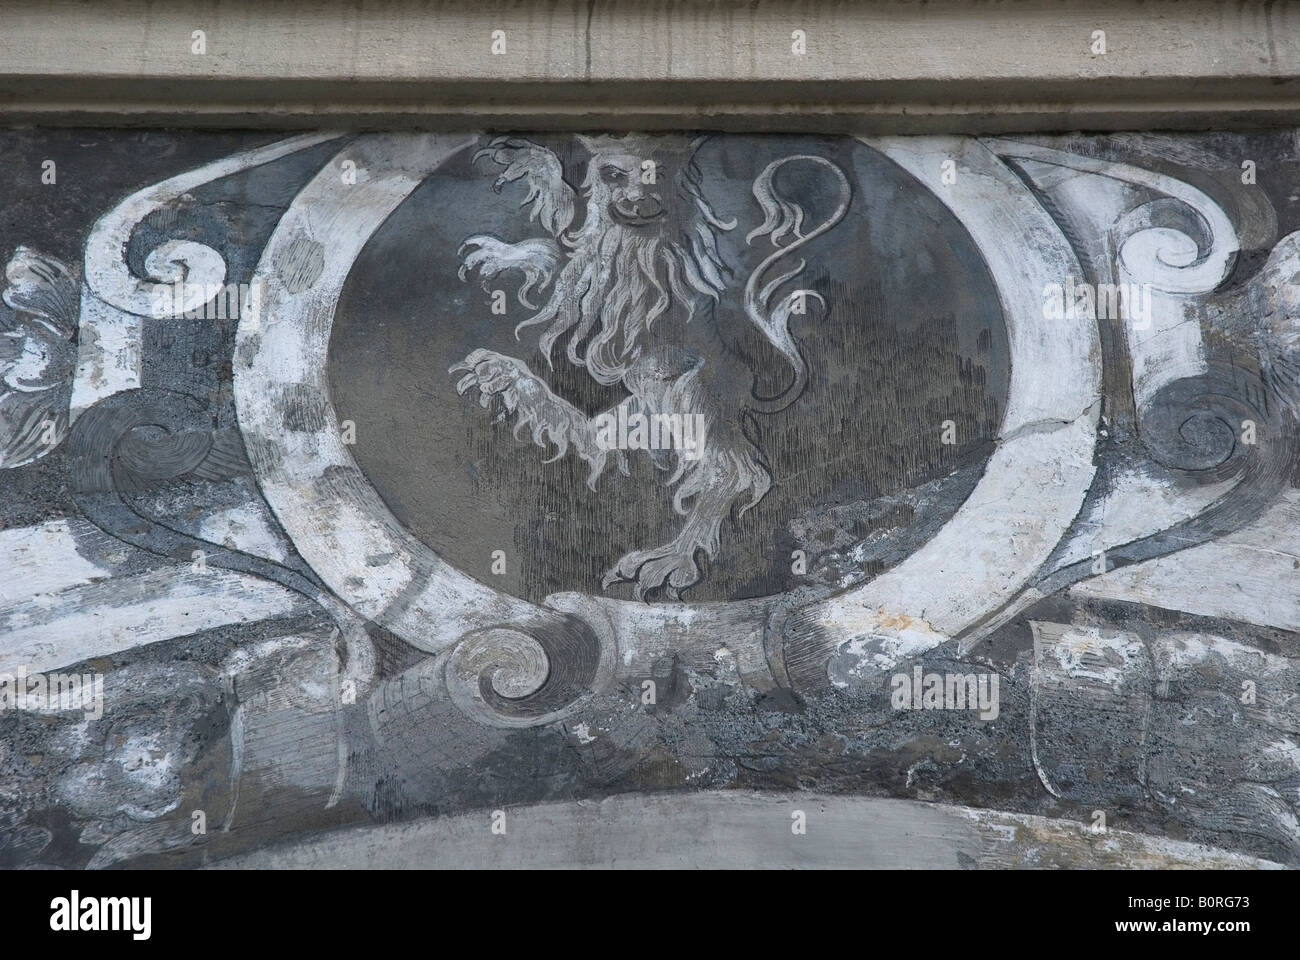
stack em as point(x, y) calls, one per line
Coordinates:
point(782, 400)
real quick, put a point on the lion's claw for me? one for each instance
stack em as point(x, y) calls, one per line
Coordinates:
point(665, 567)
point(495, 375)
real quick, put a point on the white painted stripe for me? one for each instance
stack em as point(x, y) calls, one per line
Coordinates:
point(1250, 575)
point(1137, 506)
point(43, 560)
point(246, 527)
point(1170, 350)
point(108, 354)
point(81, 622)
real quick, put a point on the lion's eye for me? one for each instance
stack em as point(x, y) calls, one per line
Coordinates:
point(614, 174)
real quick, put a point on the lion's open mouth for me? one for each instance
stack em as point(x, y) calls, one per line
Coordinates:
point(638, 214)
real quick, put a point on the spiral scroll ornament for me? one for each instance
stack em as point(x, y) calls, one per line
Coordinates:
point(1209, 426)
point(521, 676)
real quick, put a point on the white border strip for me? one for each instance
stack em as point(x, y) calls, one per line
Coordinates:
point(335, 518)
point(1037, 478)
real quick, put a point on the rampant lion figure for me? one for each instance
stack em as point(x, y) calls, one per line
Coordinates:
point(646, 254)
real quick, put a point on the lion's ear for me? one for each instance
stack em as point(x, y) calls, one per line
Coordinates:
point(551, 197)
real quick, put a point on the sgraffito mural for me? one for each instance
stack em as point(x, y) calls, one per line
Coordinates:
point(359, 485)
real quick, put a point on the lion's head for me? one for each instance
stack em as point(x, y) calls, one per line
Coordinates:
point(648, 243)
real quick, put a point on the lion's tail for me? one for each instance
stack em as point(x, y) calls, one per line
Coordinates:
point(784, 218)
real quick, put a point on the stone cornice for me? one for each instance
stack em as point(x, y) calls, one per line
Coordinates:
point(869, 67)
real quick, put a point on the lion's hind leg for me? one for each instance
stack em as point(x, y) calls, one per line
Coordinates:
point(708, 488)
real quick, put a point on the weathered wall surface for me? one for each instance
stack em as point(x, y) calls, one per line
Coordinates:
point(411, 484)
